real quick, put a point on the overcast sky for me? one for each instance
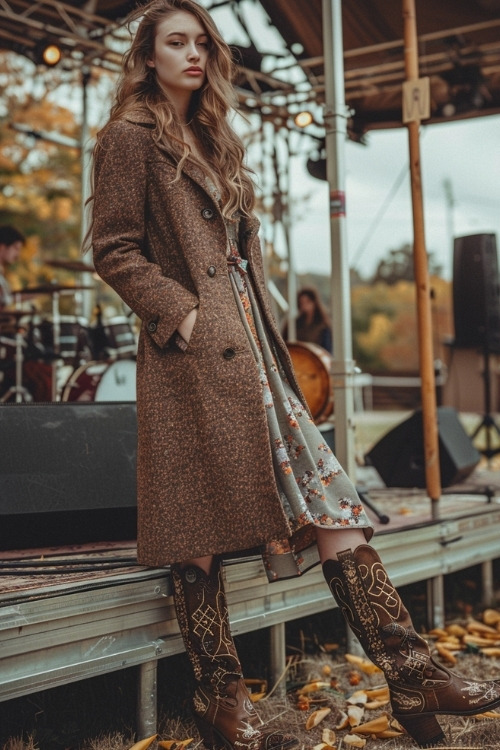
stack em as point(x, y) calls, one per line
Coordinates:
point(466, 153)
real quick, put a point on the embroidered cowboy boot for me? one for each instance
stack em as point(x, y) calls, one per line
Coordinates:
point(419, 687)
point(223, 711)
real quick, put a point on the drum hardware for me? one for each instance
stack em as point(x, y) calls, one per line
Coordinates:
point(22, 395)
point(49, 289)
point(363, 496)
point(102, 381)
point(59, 339)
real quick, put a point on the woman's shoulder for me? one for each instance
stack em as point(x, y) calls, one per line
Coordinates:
point(134, 126)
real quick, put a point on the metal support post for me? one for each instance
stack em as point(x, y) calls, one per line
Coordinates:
point(488, 588)
point(278, 656)
point(435, 602)
point(147, 699)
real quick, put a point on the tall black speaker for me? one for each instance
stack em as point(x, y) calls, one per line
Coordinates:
point(476, 291)
point(399, 455)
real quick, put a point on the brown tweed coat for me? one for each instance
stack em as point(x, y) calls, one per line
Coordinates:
point(205, 480)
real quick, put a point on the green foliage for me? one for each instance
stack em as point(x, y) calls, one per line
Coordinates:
point(398, 266)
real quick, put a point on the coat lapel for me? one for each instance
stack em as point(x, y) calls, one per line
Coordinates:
point(145, 119)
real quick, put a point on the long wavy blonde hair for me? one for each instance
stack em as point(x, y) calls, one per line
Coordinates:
point(210, 106)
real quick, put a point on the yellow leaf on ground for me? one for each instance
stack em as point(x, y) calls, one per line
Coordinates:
point(445, 654)
point(355, 714)
point(372, 705)
point(486, 715)
point(376, 693)
point(313, 687)
point(491, 616)
point(474, 626)
point(353, 741)
point(365, 665)
point(343, 722)
point(174, 744)
point(380, 724)
point(358, 698)
point(256, 697)
point(144, 744)
point(316, 717)
point(328, 736)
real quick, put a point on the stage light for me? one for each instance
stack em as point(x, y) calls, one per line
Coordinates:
point(303, 119)
point(51, 54)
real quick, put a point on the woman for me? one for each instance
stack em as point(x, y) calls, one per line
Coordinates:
point(312, 323)
point(228, 456)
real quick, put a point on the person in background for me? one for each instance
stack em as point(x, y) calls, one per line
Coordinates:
point(11, 243)
point(229, 457)
point(312, 324)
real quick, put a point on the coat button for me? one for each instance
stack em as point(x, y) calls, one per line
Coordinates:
point(207, 213)
point(211, 271)
point(229, 353)
point(152, 326)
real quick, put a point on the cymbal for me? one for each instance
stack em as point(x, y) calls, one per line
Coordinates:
point(49, 289)
point(77, 266)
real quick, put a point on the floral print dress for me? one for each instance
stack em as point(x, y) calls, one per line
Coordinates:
point(314, 489)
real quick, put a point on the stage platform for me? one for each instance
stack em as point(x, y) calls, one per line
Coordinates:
point(68, 614)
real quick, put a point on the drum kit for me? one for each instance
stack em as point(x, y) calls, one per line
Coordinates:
point(55, 357)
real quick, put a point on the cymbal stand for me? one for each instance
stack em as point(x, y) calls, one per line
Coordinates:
point(56, 333)
point(22, 395)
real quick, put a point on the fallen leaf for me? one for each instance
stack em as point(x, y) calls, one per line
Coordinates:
point(343, 721)
point(174, 744)
point(457, 630)
point(474, 626)
point(355, 714)
point(445, 654)
point(491, 616)
point(358, 698)
point(381, 692)
point(487, 715)
point(313, 687)
point(328, 736)
point(372, 705)
point(380, 724)
point(316, 717)
point(353, 741)
point(144, 744)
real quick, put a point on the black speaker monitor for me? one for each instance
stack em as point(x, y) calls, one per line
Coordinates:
point(399, 455)
point(476, 291)
point(67, 473)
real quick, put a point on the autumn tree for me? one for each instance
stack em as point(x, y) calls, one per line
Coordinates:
point(398, 266)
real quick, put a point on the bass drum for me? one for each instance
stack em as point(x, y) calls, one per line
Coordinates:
point(102, 381)
point(312, 365)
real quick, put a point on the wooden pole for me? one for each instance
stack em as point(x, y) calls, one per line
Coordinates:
point(424, 317)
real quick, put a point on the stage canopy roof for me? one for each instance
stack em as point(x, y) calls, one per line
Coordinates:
point(459, 49)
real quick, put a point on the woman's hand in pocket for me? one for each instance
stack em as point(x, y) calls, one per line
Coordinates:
point(185, 328)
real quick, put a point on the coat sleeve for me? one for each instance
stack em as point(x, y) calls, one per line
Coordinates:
point(119, 233)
